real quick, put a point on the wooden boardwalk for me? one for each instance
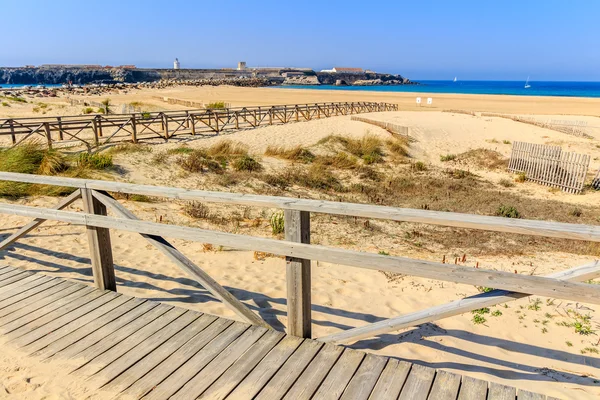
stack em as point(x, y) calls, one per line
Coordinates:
point(144, 349)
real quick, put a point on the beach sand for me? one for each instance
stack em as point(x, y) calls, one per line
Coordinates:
point(522, 344)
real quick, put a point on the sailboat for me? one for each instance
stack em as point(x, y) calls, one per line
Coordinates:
point(454, 79)
point(527, 85)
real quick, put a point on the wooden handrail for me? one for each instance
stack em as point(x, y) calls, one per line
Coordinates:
point(452, 219)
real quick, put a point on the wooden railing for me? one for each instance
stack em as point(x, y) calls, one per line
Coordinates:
point(299, 251)
point(93, 131)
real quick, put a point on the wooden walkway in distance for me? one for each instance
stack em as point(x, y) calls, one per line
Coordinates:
point(144, 349)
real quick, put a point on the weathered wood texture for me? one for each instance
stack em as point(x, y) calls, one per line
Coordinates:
point(596, 181)
point(549, 165)
point(98, 130)
point(393, 128)
point(131, 348)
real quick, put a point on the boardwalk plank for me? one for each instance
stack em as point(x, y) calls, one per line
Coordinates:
point(472, 388)
point(252, 337)
point(101, 356)
point(242, 367)
point(16, 288)
point(310, 380)
point(11, 274)
point(27, 304)
point(42, 306)
point(391, 381)
point(149, 362)
point(115, 368)
point(263, 372)
point(195, 364)
point(177, 359)
point(5, 268)
point(112, 330)
point(290, 371)
point(10, 331)
point(342, 372)
point(78, 319)
point(526, 395)
point(365, 378)
point(26, 291)
point(14, 278)
point(418, 383)
point(445, 386)
point(501, 392)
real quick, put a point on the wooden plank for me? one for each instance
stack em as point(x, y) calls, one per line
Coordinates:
point(263, 372)
point(17, 328)
point(472, 388)
point(489, 299)
point(137, 352)
point(151, 380)
point(97, 357)
point(445, 386)
point(79, 318)
point(28, 297)
point(17, 278)
point(11, 274)
point(418, 383)
point(297, 229)
point(391, 380)
point(15, 292)
point(113, 330)
point(242, 367)
point(526, 395)
point(501, 392)
point(87, 329)
point(24, 230)
point(342, 372)
point(458, 220)
point(255, 336)
point(103, 268)
point(364, 380)
point(310, 380)
point(197, 362)
point(186, 264)
point(41, 306)
point(402, 265)
point(149, 362)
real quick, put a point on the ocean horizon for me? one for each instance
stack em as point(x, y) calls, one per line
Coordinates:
point(516, 88)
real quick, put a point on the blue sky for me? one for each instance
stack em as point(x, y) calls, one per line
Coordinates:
point(504, 40)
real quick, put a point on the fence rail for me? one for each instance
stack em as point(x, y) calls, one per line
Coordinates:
point(299, 252)
point(549, 165)
point(97, 130)
point(596, 181)
point(394, 128)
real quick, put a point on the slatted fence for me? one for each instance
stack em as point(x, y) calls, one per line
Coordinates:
point(596, 181)
point(394, 128)
point(550, 166)
point(94, 131)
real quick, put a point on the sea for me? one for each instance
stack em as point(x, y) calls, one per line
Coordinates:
point(562, 89)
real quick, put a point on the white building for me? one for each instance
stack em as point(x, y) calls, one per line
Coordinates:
point(176, 64)
point(343, 70)
point(241, 65)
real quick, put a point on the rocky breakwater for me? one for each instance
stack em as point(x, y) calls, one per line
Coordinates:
point(361, 79)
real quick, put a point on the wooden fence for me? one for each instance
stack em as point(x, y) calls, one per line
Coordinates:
point(574, 129)
point(299, 251)
point(93, 131)
point(550, 166)
point(596, 181)
point(394, 128)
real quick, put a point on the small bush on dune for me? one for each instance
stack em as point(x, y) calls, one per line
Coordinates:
point(447, 157)
point(227, 148)
point(247, 163)
point(95, 161)
point(53, 163)
point(126, 148)
point(88, 110)
point(297, 153)
point(277, 222)
point(419, 166)
point(398, 147)
point(199, 161)
point(508, 212)
point(506, 183)
point(521, 177)
point(196, 210)
point(180, 150)
point(215, 105)
point(340, 160)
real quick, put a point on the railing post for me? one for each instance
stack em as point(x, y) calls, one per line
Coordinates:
point(133, 129)
point(103, 267)
point(12, 132)
point(297, 229)
point(48, 135)
point(96, 130)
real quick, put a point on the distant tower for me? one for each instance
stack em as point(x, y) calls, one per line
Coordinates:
point(241, 65)
point(176, 64)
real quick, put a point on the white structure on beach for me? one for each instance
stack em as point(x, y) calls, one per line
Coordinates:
point(176, 64)
point(343, 70)
point(241, 65)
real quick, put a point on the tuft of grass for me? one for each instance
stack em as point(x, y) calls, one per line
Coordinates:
point(216, 105)
point(521, 177)
point(94, 161)
point(277, 222)
point(535, 306)
point(297, 153)
point(199, 161)
point(128, 148)
point(106, 105)
point(569, 344)
point(398, 147)
point(87, 110)
point(496, 313)
point(419, 166)
point(479, 319)
point(227, 148)
point(247, 163)
point(53, 163)
point(506, 141)
point(576, 212)
point(197, 210)
point(16, 99)
point(458, 173)
point(340, 160)
point(508, 212)
point(447, 157)
point(506, 183)
point(5, 104)
point(180, 150)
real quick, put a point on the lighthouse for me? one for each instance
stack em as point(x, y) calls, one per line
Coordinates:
point(176, 64)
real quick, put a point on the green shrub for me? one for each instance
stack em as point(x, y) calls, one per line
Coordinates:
point(16, 99)
point(5, 104)
point(508, 212)
point(246, 163)
point(196, 209)
point(521, 177)
point(87, 110)
point(297, 153)
point(419, 166)
point(277, 222)
point(447, 157)
point(216, 105)
point(180, 150)
point(145, 115)
point(576, 212)
point(199, 161)
point(340, 160)
point(506, 141)
point(95, 161)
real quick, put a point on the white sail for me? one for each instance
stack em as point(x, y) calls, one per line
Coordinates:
point(454, 79)
point(527, 85)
